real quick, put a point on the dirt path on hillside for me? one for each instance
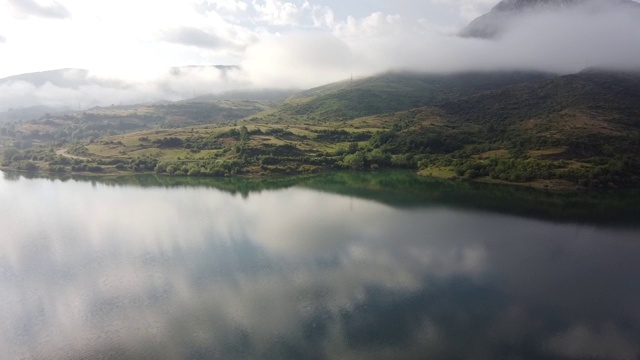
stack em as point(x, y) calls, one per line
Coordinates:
point(63, 152)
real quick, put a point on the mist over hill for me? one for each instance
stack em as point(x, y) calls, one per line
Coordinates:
point(508, 13)
point(31, 95)
point(392, 92)
point(578, 130)
point(544, 36)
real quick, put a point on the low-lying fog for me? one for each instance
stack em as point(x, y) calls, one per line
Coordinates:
point(560, 41)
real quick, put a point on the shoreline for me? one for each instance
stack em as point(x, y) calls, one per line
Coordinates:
point(542, 185)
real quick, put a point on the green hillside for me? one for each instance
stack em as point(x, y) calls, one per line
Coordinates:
point(604, 94)
point(106, 121)
point(582, 128)
point(388, 93)
point(590, 114)
point(559, 132)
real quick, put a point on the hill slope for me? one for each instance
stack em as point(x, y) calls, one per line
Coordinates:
point(65, 78)
point(580, 130)
point(388, 93)
point(614, 95)
point(501, 16)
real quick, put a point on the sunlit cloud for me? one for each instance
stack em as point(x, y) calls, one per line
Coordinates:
point(469, 9)
point(229, 6)
point(290, 44)
point(191, 36)
point(50, 9)
point(279, 13)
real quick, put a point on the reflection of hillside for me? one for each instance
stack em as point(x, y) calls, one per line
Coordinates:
point(403, 190)
point(242, 186)
point(155, 267)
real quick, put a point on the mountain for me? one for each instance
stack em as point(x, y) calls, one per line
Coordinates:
point(74, 78)
point(32, 95)
point(32, 112)
point(65, 78)
point(589, 114)
point(543, 130)
point(391, 92)
point(603, 94)
point(580, 129)
point(506, 12)
point(26, 106)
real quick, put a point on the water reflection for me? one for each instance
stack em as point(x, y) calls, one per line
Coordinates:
point(92, 270)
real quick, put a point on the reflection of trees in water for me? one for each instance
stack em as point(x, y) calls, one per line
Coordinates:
point(185, 272)
point(404, 189)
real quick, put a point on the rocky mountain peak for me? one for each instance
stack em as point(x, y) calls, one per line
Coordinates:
point(495, 22)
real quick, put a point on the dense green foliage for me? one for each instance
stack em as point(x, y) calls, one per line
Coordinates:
point(582, 130)
point(391, 92)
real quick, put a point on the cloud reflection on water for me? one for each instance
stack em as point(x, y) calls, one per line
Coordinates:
point(172, 272)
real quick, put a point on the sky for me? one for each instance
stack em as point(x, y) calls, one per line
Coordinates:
point(286, 43)
point(133, 37)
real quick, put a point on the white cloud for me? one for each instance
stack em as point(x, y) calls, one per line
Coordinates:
point(279, 13)
point(227, 6)
point(297, 43)
point(374, 25)
point(298, 60)
point(562, 42)
point(323, 16)
point(469, 9)
point(96, 89)
point(46, 9)
point(192, 36)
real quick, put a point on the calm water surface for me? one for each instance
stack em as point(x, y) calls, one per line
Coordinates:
point(342, 267)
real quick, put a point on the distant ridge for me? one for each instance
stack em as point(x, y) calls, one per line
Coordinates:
point(68, 77)
point(73, 88)
point(497, 21)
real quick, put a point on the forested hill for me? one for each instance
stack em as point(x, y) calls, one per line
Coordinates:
point(608, 101)
point(579, 130)
point(391, 92)
point(583, 128)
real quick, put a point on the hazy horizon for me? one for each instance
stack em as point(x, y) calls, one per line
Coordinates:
point(283, 45)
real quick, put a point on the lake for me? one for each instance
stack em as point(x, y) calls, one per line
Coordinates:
point(335, 266)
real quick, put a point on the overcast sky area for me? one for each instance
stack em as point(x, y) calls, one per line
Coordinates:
point(290, 43)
